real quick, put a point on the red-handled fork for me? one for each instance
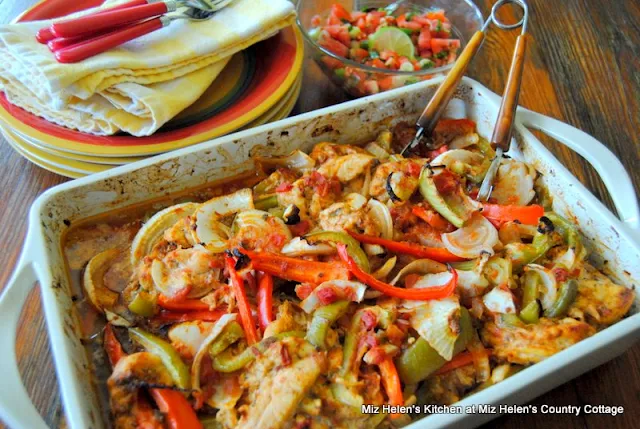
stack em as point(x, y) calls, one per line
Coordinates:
point(44, 35)
point(104, 42)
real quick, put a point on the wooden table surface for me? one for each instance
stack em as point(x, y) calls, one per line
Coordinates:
point(583, 67)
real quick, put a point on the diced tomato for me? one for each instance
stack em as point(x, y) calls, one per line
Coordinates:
point(371, 87)
point(284, 187)
point(369, 319)
point(340, 33)
point(361, 23)
point(560, 274)
point(392, 63)
point(377, 63)
point(300, 229)
point(385, 55)
point(327, 295)
point(410, 280)
point(373, 19)
point(358, 54)
point(403, 23)
point(386, 83)
point(439, 45)
point(340, 13)
point(316, 21)
point(332, 45)
point(436, 14)
point(446, 182)
point(355, 16)
point(322, 185)
point(422, 20)
point(424, 41)
point(304, 290)
point(434, 153)
point(413, 169)
point(332, 63)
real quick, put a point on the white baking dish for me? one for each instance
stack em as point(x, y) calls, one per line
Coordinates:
point(612, 239)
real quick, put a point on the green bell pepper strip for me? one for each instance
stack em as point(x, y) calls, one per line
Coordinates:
point(570, 234)
point(430, 193)
point(226, 362)
point(566, 296)
point(530, 288)
point(143, 304)
point(266, 203)
point(530, 313)
point(469, 265)
point(230, 334)
point(322, 320)
point(350, 364)
point(420, 360)
point(170, 358)
point(353, 245)
point(510, 321)
point(522, 254)
point(486, 149)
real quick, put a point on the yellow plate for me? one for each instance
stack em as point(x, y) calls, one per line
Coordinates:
point(89, 164)
point(60, 139)
point(61, 163)
point(41, 164)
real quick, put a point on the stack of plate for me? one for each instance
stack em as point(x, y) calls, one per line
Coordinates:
point(259, 85)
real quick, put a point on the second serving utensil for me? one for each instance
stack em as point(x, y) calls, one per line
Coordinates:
point(438, 103)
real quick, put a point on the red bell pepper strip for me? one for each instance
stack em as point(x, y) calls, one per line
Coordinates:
point(459, 360)
point(436, 253)
point(297, 270)
point(188, 316)
point(178, 411)
point(146, 417)
point(432, 218)
point(246, 317)
point(176, 408)
point(265, 299)
point(422, 294)
point(528, 215)
point(391, 382)
point(184, 305)
point(112, 346)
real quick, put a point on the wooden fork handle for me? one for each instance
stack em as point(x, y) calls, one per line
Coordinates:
point(109, 19)
point(504, 124)
point(447, 88)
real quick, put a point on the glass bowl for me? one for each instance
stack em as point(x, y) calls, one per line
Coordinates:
point(360, 79)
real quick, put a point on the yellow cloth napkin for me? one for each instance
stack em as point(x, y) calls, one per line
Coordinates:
point(138, 86)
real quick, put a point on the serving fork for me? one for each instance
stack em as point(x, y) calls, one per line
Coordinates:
point(501, 138)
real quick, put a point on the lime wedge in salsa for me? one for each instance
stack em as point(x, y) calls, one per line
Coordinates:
point(393, 39)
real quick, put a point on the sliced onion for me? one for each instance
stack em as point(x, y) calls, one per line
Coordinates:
point(438, 322)
point(208, 229)
point(464, 141)
point(296, 161)
point(499, 300)
point(381, 216)
point(567, 259)
point(471, 241)
point(301, 247)
point(154, 228)
point(382, 272)
point(343, 289)
point(548, 286)
point(512, 232)
point(187, 337)
point(378, 151)
point(216, 330)
point(449, 157)
point(419, 266)
point(514, 183)
point(257, 223)
point(374, 249)
point(471, 284)
point(100, 296)
point(117, 320)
